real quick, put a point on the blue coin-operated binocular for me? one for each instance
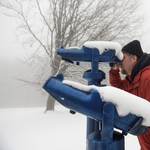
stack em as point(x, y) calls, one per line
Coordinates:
point(102, 117)
point(95, 53)
point(107, 52)
point(85, 55)
point(90, 104)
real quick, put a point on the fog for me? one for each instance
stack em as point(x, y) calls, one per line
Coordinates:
point(14, 93)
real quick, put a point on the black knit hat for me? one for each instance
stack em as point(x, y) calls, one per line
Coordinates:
point(134, 48)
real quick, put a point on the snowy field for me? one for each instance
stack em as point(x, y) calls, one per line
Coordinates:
point(31, 129)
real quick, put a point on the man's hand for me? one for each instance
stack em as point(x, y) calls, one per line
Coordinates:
point(116, 66)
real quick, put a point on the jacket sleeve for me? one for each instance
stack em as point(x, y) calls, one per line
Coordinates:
point(145, 87)
point(116, 81)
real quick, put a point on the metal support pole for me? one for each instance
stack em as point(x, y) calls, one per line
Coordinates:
point(94, 77)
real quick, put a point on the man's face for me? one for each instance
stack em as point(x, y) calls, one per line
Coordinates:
point(128, 63)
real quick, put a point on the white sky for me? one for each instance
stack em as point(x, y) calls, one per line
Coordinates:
point(145, 41)
point(10, 48)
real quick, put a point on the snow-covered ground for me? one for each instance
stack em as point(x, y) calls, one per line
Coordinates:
point(31, 129)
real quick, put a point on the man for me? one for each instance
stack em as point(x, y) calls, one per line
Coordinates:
point(136, 66)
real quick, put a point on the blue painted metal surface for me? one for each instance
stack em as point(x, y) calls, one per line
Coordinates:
point(94, 77)
point(106, 139)
point(94, 142)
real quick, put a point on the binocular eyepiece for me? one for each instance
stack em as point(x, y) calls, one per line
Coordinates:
point(112, 64)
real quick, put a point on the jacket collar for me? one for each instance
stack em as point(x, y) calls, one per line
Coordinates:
point(137, 76)
point(143, 62)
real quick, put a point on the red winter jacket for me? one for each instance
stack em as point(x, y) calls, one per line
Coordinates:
point(140, 86)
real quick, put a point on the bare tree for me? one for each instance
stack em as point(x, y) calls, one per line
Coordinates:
point(45, 25)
